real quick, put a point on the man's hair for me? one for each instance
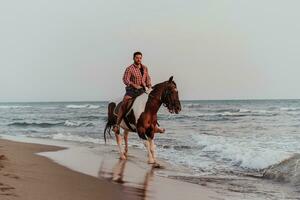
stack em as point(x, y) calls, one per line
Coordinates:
point(137, 53)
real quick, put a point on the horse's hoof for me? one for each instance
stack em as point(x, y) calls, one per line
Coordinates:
point(156, 165)
point(151, 162)
point(126, 152)
point(162, 130)
point(123, 157)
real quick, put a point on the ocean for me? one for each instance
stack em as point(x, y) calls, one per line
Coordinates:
point(247, 148)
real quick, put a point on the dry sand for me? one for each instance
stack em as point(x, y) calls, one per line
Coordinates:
point(26, 176)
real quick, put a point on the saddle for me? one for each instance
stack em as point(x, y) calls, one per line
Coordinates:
point(129, 117)
point(130, 103)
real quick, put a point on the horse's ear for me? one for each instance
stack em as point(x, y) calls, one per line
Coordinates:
point(171, 79)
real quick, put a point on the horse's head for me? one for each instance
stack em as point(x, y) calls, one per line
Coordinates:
point(170, 98)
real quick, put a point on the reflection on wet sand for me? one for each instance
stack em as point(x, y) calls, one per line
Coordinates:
point(136, 184)
point(141, 180)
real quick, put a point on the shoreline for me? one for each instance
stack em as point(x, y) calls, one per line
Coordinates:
point(135, 179)
point(132, 179)
point(25, 175)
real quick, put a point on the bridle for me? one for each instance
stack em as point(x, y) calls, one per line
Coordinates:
point(166, 98)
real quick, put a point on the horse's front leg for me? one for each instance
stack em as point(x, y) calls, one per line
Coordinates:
point(152, 149)
point(150, 156)
point(119, 142)
point(126, 142)
point(157, 129)
point(142, 128)
point(155, 126)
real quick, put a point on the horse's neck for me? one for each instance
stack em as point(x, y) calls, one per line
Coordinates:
point(154, 101)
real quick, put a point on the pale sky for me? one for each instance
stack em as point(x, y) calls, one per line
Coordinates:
point(71, 50)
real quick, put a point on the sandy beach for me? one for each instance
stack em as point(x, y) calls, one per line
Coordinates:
point(26, 176)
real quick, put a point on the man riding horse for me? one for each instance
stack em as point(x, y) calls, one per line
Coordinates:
point(140, 115)
point(137, 80)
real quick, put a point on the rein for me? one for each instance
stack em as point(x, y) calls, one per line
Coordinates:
point(163, 98)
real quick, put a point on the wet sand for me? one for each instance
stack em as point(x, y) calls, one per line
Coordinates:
point(151, 186)
point(26, 176)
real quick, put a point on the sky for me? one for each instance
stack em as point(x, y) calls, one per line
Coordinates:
point(77, 50)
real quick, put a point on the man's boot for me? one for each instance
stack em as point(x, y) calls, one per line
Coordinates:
point(121, 114)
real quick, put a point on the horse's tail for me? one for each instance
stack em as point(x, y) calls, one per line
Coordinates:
point(111, 119)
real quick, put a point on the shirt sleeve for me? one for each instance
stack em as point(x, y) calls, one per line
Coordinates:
point(126, 77)
point(148, 79)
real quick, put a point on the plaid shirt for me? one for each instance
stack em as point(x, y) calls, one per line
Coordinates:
point(133, 75)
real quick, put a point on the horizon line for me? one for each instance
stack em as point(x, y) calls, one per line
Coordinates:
point(94, 101)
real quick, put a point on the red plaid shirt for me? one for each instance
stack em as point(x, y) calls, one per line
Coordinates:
point(133, 75)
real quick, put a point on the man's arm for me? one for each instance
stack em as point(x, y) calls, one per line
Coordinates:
point(126, 77)
point(148, 79)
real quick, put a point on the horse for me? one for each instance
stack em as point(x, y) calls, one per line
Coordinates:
point(142, 116)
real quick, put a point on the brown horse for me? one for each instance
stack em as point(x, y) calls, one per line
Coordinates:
point(142, 116)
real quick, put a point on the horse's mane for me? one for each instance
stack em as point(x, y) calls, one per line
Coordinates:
point(159, 84)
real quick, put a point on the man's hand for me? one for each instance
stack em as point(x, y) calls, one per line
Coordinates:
point(136, 86)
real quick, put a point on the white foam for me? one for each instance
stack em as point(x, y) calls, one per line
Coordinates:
point(240, 153)
point(76, 124)
point(9, 107)
point(76, 138)
point(245, 111)
point(289, 109)
point(88, 106)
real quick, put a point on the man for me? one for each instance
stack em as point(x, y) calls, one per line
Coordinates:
point(136, 78)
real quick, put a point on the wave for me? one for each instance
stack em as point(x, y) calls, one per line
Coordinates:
point(239, 153)
point(92, 117)
point(88, 106)
point(49, 125)
point(232, 110)
point(34, 124)
point(289, 109)
point(13, 107)
point(77, 124)
point(219, 116)
point(76, 138)
point(175, 147)
point(287, 170)
point(192, 105)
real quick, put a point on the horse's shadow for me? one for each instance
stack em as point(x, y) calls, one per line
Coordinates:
point(124, 172)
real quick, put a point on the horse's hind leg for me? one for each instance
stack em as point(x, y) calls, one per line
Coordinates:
point(126, 142)
point(119, 142)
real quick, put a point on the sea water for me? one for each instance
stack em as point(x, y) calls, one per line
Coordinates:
point(225, 142)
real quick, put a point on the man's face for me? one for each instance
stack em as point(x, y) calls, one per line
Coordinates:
point(138, 59)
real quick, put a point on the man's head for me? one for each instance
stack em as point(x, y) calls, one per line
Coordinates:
point(137, 58)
